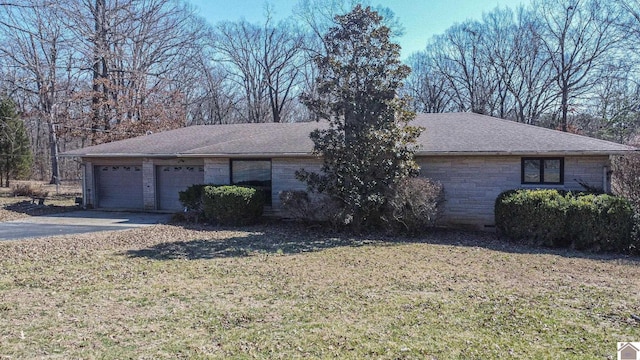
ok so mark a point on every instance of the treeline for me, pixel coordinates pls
(83, 72)
(565, 64)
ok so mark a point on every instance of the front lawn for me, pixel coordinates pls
(284, 292)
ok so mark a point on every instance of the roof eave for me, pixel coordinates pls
(308, 154)
(178, 156)
(525, 153)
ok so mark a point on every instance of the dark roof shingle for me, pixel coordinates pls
(445, 134)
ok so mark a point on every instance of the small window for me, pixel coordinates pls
(543, 171)
(255, 173)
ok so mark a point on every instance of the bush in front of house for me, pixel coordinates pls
(192, 200)
(233, 205)
(309, 207)
(535, 216)
(600, 222)
(551, 218)
(626, 183)
(413, 205)
(191, 197)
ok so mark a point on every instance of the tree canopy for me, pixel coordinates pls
(15, 153)
(368, 146)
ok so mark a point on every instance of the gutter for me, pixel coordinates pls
(180, 156)
(524, 153)
(307, 155)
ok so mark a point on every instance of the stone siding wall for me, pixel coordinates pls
(472, 183)
(283, 175)
(217, 171)
(148, 184)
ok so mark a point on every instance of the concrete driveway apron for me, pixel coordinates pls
(77, 222)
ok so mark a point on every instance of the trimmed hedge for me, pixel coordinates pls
(233, 205)
(556, 219)
(191, 197)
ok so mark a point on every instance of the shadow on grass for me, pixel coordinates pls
(494, 242)
(270, 239)
(30, 208)
(279, 238)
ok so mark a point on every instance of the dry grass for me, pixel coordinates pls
(59, 199)
(66, 189)
(285, 292)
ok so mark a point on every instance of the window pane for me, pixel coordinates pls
(552, 171)
(531, 171)
(257, 173)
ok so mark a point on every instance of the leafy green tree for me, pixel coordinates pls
(368, 146)
(15, 153)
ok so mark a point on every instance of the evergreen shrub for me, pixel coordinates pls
(557, 219)
(233, 205)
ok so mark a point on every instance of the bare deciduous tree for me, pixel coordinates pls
(35, 44)
(427, 86)
(266, 62)
(461, 57)
(577, 35)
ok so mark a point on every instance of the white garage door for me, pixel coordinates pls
(119, 186)
(171, 179)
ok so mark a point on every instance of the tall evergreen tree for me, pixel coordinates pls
(368, 146)
(15, 153)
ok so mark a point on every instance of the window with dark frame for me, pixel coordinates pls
(544, 171)
(256, 173)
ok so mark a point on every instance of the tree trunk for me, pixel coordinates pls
(53, 143)
(98, 97)
(565, 106)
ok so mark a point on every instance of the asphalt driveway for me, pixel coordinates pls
(77, 222)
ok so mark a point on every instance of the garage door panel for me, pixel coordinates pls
(119, 186)
(171, 179)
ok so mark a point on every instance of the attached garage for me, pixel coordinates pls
(171, 179)
(119, 186)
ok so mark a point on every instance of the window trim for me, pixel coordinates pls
(269, 199)
(542, 160)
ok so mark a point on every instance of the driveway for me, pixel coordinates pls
(77, 222)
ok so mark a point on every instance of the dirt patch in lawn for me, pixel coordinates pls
(277, 291)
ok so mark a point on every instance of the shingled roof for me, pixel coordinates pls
(445, 134)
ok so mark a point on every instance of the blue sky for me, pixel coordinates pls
(421, 18)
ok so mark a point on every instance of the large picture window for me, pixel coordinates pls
(543, 171)
(256, 173)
